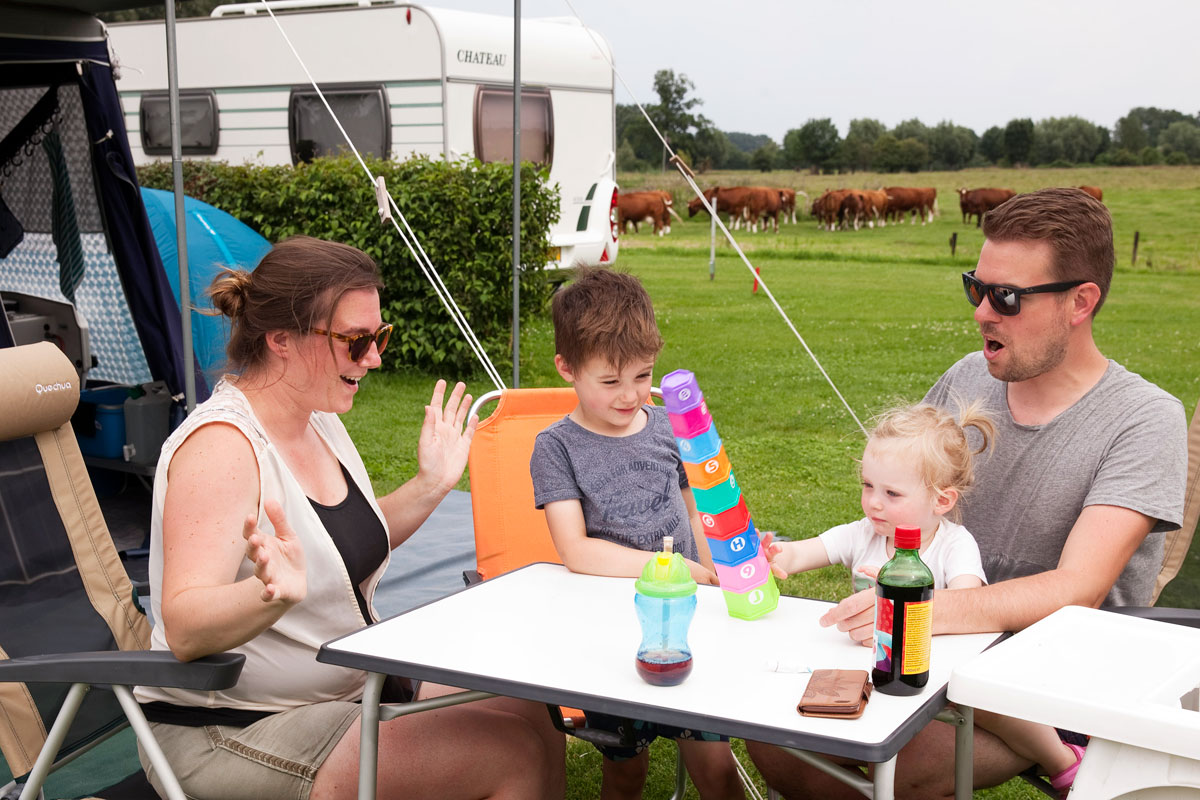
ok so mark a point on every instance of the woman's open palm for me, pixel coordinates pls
(278, 560)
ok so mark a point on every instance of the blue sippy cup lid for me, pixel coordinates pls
(666, 574)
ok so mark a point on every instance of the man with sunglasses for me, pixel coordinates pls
(1086, 477)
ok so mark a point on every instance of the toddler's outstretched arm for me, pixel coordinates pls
(788, 558)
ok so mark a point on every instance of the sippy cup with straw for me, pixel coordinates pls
(665, 602)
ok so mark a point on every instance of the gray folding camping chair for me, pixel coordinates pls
(69, 621)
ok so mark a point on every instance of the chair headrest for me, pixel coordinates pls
(39, 389)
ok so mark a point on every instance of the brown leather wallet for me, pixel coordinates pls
(836, 694)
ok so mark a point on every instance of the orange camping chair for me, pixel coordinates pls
(509, 531)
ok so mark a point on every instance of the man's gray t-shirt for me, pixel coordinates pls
(629, 486)
(1124, 443)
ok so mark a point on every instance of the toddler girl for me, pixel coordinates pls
(916, 467)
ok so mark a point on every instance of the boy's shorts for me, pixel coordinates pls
(643, 734)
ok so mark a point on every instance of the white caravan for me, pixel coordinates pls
(403, 79)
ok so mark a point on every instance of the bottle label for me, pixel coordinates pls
(918, 630)
(883, 634)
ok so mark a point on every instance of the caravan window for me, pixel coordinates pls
(197, 118)
(494, 125)
(362, 110)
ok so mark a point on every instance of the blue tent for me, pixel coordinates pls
(214, 240)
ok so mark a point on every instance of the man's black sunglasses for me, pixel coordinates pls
(1007, 299)
(361, 343)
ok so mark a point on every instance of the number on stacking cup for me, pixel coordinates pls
(685, 395)
(747, 571)
(685, 445)
(707, 520)
(712, 465)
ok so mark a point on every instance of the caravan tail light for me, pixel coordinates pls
(612, 215)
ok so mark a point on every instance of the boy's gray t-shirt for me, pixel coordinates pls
(629, 486)
(1124, 443)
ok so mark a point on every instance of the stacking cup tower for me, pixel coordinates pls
(742, 568)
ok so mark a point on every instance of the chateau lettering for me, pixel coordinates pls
(481, 57)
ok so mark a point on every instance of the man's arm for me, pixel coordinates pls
(1097, 549)
(1099, 546)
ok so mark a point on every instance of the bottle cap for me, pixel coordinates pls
(908, 538)
(666, 575)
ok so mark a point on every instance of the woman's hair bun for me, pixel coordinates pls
(229, 290)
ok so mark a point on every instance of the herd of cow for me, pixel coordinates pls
(837, 209)
(752, 205)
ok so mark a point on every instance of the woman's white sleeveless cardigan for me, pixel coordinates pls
(281, 669)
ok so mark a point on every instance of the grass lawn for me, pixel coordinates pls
(885, 313)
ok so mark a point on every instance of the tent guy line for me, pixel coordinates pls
(687, 176)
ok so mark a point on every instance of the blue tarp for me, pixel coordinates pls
(214, 240)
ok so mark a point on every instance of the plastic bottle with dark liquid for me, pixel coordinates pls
(903, 618)
(665, 602)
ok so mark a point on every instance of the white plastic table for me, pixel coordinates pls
(1130, 683)
(543, 633)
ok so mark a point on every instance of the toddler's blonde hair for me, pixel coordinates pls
(938, 443)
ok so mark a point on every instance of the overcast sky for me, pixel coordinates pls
(765, 66)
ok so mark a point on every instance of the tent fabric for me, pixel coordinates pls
(215, 240)
(65, 228)
(82, 68)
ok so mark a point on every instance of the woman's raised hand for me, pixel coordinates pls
(445, 441)
(278, 560)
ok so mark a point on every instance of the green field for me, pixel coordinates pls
(884, 312)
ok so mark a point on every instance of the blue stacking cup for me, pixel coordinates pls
(701, 447)
(736, 549)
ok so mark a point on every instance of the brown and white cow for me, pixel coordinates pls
(722, 203)
(765, 203)
(875, 203)
(787, 204)
(1094, 191)
(635, 207)
(977, 202)
(917, 201)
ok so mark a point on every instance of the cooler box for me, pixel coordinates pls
(99, 422)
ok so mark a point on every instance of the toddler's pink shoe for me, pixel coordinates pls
(1063, 780)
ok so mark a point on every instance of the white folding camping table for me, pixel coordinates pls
(1130, 683)
(543, 633)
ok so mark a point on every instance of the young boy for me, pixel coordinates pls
(612, 485)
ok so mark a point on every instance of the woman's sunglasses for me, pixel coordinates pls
(361, 343)
(1007, 299)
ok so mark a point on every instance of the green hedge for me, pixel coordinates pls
(460, 211)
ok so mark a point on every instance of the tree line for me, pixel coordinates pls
(1144, 136)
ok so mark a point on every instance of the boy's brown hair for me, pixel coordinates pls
(607, 314)
(1076, 225)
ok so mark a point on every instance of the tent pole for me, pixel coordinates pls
(185, 292)
(516, 258)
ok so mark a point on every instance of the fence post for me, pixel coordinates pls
(1136, 234)
(712, 240)
(953, 242)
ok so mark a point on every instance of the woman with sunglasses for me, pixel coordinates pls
(267, 540)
